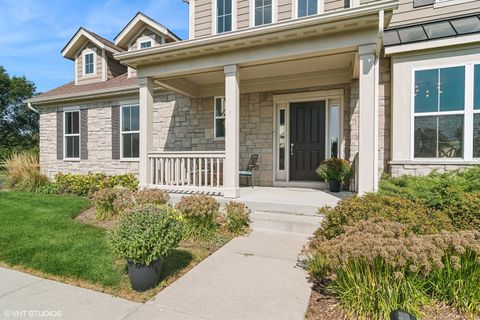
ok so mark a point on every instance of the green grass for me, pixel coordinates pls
(2, 178)
(38, 234)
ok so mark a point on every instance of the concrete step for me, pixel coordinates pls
(302, 224)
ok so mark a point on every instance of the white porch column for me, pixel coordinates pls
(146, 129)
(367, 174)
(231, 179)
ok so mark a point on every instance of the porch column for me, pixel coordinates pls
(367, 174)
(146, 129)
(232, 132)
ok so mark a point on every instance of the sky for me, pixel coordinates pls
(33, 32)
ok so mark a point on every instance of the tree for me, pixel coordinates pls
(18, 124)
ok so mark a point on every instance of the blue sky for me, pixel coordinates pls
(33, 32)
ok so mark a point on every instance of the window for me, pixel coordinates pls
(145, 44)
(440, 112)
(282, 139)
(224, 16)
(89, 63)
(263, 12)
(334, 130)
(72, 134)
(130, 133)
(476, 111)
(219, 126)
(307, 7)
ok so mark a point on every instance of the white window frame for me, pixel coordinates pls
(145, 39)
(274, 13)
(65, 134)
(320, 8)
(85, 53)
(215, 117)
(446, 3)
(214, 15)
(467, 113)
(122, 133)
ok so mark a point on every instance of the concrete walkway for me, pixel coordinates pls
(252, 277)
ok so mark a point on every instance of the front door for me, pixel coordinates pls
(307, 139)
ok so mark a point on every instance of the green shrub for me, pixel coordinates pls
(103, 200)
(88, 184)
(22, 172)
(237, 217)
(458, 282)
(49, 187)
(375, 267)
(464, 211)
(148, 234)
(417, 217)
(200, 213)
(334, 169)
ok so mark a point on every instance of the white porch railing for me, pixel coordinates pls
(197, 171)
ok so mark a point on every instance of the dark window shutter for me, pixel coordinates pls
(116, 132)
(84, 134)
(422, 3)
(59, 135)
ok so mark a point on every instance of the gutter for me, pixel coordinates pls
(29, 105)
(193, 44)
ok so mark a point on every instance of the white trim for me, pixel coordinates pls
(214, 17)
(433, 44)
(252, 13)
(145, 39)
(104, 66)
(191, 19)
(215, 117)
(122, 158)
(84, 54)
(446, 3)
(65, 135)
(467, 112)
(83, 33)
(76, 70)
(320, 8)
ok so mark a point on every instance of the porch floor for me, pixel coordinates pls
(298, 201)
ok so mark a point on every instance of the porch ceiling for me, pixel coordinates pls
(290, 74)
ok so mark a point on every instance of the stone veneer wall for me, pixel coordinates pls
(399, 169)
(99, 144)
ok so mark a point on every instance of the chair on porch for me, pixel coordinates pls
(248, 173)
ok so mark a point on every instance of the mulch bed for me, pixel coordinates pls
(325, 307)
(88, 217)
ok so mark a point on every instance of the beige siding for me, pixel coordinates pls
(243, 14)
(114, 68)
(285, 9)
(406, 14)
(203, 18)
(98, 61)
(146, 33)
(332, 5)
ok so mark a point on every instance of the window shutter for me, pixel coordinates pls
(116, 132)
(422, 3)
(84, 134)
(59, 135)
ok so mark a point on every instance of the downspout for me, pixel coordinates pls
(29, 105)
(381, 27)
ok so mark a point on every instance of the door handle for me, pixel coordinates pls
(291, 148)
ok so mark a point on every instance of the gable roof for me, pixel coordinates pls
(81, 37)
(138, 23)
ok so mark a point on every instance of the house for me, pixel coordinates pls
(391, 85)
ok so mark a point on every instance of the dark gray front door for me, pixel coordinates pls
(307, 139)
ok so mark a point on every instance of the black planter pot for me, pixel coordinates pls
(144, 277)
(335, 186)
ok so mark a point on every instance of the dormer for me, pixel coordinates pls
(142, 32)
(93, 57)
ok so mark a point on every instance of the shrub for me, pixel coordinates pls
(124, 203)
(151, 196)
(148, 234)
(88, 184)
(378, 266)
(22, 172)
(464, 211)
(237, 217)
(201, 213)
(103, 201)
(334, 169)
(418, 218)
(49, 187)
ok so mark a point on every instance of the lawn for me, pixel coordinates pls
(2, 178)
(39, 235)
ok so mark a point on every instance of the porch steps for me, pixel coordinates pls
(294, 223)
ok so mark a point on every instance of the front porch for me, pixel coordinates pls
(311, 73)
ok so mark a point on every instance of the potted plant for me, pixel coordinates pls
(334, 170)
(144, 238)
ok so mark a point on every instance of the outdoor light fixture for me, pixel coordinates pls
(401, 315)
